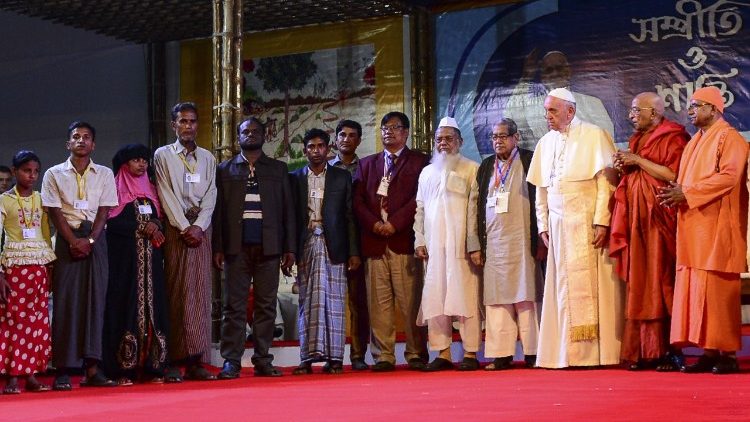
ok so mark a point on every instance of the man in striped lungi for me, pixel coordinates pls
(328, 240)
(185, 180)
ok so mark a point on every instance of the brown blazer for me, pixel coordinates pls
(402, 203)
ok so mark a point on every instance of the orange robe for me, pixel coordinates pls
(711, 243)
(643, 241)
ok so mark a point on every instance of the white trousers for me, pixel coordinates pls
(440, 332)
(504, 324)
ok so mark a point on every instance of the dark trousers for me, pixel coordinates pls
(359, 317)
(249, 266)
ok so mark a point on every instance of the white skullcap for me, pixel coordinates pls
(448, 122)
(562, 94)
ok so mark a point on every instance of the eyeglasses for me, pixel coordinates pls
(637, 110)
(693, 106)
(391, 128)
(501, 137)
(447, 139)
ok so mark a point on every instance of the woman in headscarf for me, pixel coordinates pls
(135, 321)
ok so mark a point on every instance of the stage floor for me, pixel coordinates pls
(516, 394)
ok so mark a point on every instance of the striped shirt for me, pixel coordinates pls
(252, 214)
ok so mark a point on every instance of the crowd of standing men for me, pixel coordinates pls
(640, 249)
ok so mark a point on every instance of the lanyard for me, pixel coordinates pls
(81, 181)
(185, 163)
(502, 174)
(29, 223)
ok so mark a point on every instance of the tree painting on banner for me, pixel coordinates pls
(296, 92)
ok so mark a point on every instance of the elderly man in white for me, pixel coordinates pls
(582, 313)
(446, 240)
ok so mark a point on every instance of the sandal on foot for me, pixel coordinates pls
(37, 388)
(671, 362)
(303, 369)
(62, 383)
(12, 389)
(97, 380)
(499, 364)
(173, 376)
(124, 382)
(199, 373)
(333, 367)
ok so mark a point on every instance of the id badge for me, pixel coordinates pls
(29, 233)
(81, 204)
(316, 193)
(383, 188)
(193, 177)
(501, 203)
(144, 209)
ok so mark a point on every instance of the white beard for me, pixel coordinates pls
(445, 160)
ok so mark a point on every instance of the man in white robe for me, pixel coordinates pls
(582, 314)
(509, 240)
(446, 240)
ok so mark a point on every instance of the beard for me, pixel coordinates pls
(445, 160)
(251, 147)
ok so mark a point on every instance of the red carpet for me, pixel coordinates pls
(518, 394)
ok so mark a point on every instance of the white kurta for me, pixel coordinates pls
(445, 224)
(573, 196)
(509, 270)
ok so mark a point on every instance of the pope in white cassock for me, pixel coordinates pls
(446, 240)
(582, 315)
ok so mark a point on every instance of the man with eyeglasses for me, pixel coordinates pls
(509, 240)
(255, 234)
(643, 234)
(711, 201)
(185, 181)
(448, 244)
(582, 306)
(385, 205)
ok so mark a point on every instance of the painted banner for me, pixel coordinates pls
(501, 61)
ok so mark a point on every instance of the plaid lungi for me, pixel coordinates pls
(322, 297)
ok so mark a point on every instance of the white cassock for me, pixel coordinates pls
(446, 224)
(582, 310)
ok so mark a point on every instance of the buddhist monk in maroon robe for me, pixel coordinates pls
(643, 233)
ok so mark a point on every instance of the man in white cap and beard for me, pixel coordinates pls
(446, 239)
(582, 313)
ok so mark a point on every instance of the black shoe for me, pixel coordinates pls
(97, 380)
(416, 364)
(278, 332)
(671, 362)
(499, 364)
(359, 365)
(266, 370)
(199, 373)
(468, 364)
(530, 361)
(229, 371)
(726, 365)
(439, 364)
(704, 364)
(383, 366)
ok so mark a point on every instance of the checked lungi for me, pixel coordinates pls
(322, 297)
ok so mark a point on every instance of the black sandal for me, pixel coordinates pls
(62, 383)
(97, 380)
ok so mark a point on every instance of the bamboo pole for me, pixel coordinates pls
(227, 76)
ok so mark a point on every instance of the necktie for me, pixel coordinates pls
(391, 165)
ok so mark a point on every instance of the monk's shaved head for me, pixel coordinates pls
(652, 99)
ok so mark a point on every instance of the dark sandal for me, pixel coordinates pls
(199, 373)
(303, 369)
(173, 376)
(97, 380)
(12, 389)
(62, 383)
(333, 368)
(37, 388)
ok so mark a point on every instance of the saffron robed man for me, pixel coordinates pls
(581, 323)
(384, 204)
(710, 196)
